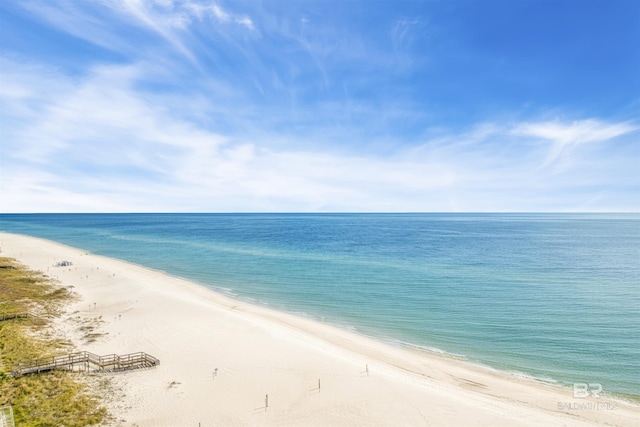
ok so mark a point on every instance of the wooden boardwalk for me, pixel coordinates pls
(9, 316)
(84, 361)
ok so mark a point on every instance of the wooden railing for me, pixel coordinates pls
(85, 361)
(8, 316)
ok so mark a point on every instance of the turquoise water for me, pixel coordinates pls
(554, 296)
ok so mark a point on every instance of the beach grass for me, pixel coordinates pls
(49, 399)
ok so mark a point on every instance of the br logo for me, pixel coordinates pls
(582, 390)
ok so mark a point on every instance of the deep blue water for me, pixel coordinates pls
(555, 296)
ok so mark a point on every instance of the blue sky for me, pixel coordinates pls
(244, 106)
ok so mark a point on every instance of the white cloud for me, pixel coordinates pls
(82, 23)
(565, 137)
(219, 13)
(169, 19)
(100, 142)
(245, 21)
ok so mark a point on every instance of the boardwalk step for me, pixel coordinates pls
(9, 316)
(87, 362)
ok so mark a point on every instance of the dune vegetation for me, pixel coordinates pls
(48, 399)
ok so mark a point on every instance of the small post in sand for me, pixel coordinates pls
(266, 402)
(318, 385)
(367, 369)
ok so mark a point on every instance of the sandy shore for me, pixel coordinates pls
(256, 351)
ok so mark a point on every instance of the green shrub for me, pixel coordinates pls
(48, 399)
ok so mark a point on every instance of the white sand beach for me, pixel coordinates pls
(220, 358)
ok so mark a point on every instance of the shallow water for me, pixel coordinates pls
(555, 296)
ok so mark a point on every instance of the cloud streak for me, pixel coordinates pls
(103, 137)
(566, 137)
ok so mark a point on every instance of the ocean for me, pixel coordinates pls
(552, 296)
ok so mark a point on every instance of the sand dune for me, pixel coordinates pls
(220, 358)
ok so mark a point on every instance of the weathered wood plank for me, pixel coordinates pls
(85, 360)
(9, 316)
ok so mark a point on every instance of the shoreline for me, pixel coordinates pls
(259, 351)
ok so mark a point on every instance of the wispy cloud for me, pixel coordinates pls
(103, 136)
(180, 13)
(565, 137)
(85, 23)
(168, 19)
(213, 106)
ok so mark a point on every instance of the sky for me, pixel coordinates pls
(319, 106)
